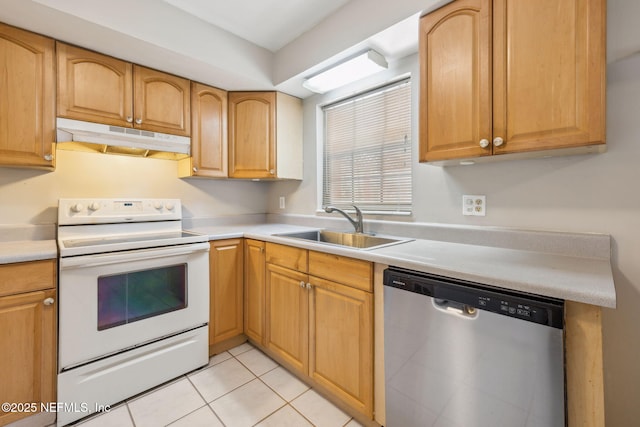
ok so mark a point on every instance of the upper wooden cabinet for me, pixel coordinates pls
(265, 135)
(209, 142)
(27, 103)
(99, 88)
(512, 76)
(161, 101)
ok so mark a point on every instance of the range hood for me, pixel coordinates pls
(95, 137)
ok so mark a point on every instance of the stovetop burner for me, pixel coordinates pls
(93, 226)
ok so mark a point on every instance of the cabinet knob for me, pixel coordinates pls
(272, 171)
(302, 283)
(138, 121)
(484, 143)
(497, 141)
(309, 286)
(48, 157)
(195, 169)
(129, 119)
(48, 301)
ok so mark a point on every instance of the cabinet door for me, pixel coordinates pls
(549, 74)
(209, 131)
(341, 342)
(252, 134)
(254, 290)
(226, 263)
(27, 100)
(28, 351)
(94, 87)
(455, 81)
(287, 332)
(162, 102)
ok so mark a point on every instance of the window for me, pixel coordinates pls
(367, 150)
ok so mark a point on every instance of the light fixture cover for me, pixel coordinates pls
(351, 70)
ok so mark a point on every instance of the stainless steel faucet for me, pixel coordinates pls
(358, 224)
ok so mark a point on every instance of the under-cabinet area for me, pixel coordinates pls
(321, 316)
(317, 310)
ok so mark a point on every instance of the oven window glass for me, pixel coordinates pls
(129, 297)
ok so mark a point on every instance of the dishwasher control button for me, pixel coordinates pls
(504, 308)
(482, 303)
(512, 310)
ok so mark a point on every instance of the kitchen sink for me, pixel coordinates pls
(352, 240)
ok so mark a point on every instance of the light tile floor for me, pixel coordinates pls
(240, 387)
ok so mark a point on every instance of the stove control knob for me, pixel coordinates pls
(94, 206)
(78, 207)
(157, 205)
(170, 206)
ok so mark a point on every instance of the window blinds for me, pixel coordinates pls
(367, 150)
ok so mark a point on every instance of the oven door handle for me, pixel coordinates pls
(87, 261)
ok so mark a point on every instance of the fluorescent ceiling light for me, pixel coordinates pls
(351, 70)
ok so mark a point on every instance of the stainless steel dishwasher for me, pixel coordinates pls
(463, 354)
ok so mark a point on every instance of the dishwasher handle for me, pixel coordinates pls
(458, 309)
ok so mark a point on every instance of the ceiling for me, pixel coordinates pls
(271, 24)
(235, 45)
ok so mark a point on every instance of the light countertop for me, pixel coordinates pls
(582, 279)
(27, 250)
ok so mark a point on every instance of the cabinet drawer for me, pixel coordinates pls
(348, 271)
(287, 256)
(16, 278)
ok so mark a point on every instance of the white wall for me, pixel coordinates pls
(31, 197)
(588, 193)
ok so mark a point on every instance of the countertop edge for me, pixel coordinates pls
(27, 250)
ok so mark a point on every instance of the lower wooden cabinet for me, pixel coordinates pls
(341, 342)
(254, 289)
(28, 337)
(226, 262)
(320, 327)
(288, 316)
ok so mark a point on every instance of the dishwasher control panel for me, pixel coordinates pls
(532, 308)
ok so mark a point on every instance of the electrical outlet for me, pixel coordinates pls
(281, 202)
(474, 205)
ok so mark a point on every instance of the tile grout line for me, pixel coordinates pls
(207, 404)
(287, 402)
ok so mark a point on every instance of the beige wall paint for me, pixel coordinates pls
(31, 197)
(588, 193)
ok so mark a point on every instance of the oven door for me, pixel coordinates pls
(116, 301)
